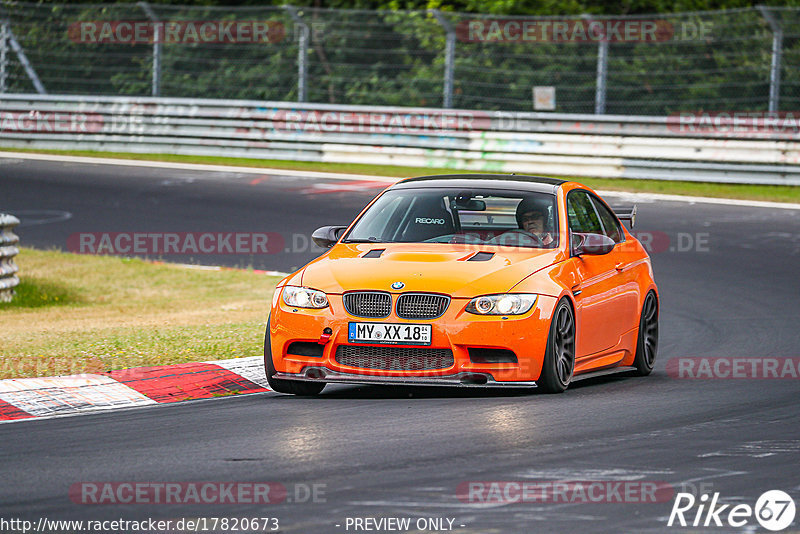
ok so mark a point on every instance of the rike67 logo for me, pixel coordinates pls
(774, 510)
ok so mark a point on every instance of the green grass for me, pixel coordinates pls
(86, 314)
(39, 294)
(102, 349)
(775, 193)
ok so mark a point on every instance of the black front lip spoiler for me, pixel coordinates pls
(464, 379)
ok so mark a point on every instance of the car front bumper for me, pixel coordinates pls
(456, 330)
(323, 374)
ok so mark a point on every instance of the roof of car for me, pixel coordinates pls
(539, 184)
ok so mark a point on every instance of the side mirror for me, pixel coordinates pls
(327, 236)
(592, 244)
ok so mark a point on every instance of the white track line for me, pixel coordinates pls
(192, 166)
(651, 197)
(645, 197)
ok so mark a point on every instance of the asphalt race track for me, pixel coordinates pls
(728, 278)
(59, 200)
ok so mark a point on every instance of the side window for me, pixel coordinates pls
(581, 213)
(610, 223)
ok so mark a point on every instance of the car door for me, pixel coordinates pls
(596, 286)
(626, 258)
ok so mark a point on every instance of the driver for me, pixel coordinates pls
(533, 217)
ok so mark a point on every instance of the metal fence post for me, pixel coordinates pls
(302, 52)
(449, 57)
(157, 38)
(23, 59)
(3, 56)
(602, 74)
(775, 66)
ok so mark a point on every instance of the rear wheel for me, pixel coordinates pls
(559, 359)
(294, 387)
(647, 342)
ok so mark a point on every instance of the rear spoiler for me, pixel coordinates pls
(627, 214)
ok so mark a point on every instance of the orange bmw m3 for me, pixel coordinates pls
(472, 281)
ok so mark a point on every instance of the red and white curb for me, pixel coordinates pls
(26, 398)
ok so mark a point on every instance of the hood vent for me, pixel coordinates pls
(482, 256)
(374, 253)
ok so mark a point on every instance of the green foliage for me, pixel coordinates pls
(497, 7)
(397, 58)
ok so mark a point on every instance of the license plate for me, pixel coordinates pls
(394, 334)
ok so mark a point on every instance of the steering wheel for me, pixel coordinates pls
(524, 233)
(447, 238)
(465, 239)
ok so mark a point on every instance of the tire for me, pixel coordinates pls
(559, 358)
(647, 341)
(293, 387)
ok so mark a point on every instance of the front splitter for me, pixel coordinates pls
(323, 374)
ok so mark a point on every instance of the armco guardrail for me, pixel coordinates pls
(543, 143)
(8, 250)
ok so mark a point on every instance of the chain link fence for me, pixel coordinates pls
(733, 60)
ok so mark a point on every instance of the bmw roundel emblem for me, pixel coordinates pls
(398, 285)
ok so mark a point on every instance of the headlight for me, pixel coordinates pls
(506, 304)
(304, 297)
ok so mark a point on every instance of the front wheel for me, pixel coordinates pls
(559, 359)
(294, 387)
(647, 342)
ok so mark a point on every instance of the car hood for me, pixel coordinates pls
(436, 268)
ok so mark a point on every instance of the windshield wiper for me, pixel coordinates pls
(368, 240)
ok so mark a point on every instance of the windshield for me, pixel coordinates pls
(474, 216)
